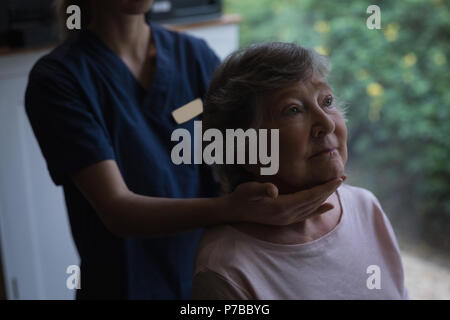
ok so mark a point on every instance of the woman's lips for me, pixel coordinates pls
(325, 152)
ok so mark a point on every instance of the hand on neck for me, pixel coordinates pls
(301, 232)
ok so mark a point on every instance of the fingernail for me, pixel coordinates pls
(272, 191)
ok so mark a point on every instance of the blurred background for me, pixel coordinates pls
(394, 80)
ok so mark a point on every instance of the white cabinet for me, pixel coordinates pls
(36, 241)
(35, 238)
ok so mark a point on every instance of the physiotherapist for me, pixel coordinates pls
(100, 105)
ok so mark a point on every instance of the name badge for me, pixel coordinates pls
(188, 111)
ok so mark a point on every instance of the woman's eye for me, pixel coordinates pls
(293, 110)
(328, 101)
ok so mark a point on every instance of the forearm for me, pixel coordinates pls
(125, 213)
(137, 215)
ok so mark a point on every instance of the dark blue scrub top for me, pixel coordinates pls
(86, 106)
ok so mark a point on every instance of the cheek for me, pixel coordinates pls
(341, 134)
(292, 146)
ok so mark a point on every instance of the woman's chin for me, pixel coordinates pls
(314, 177)
(328, 171)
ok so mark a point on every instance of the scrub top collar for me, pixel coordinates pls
(162, 60)
(161, 78)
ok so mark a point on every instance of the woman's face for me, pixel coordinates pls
(308, 123)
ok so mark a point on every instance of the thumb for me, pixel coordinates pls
(263, 190)
(257, 190)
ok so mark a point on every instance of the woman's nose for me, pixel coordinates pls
(323, 123)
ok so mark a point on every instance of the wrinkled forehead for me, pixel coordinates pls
(301, 88)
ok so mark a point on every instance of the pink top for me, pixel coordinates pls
(358, 259)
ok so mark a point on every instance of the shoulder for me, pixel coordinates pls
(180, 38)
(189, 46)
(58, 78)
(221, 249)
(62, 62)
(363, 206)
(220, 265)
(215, 239)
(359, 198)
(209, 285)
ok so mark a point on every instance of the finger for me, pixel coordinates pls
(320, 204)
(258, 191)
(272, 190)
(314, 204)
(315, 212)
(328, 187)
(322, 209)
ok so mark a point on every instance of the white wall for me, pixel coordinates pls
(36, 243)
(222, 39)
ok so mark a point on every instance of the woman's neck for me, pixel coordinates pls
(301, 232)
(127, 35)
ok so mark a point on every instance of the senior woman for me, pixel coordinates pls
(349, 252)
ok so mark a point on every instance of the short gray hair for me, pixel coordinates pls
(240, 84)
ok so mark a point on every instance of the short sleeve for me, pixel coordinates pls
(209, 285)
(69, 133)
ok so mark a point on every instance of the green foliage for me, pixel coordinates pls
(395, 81)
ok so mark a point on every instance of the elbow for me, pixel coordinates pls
(113, 216)
(112, 222)
(116, 228)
